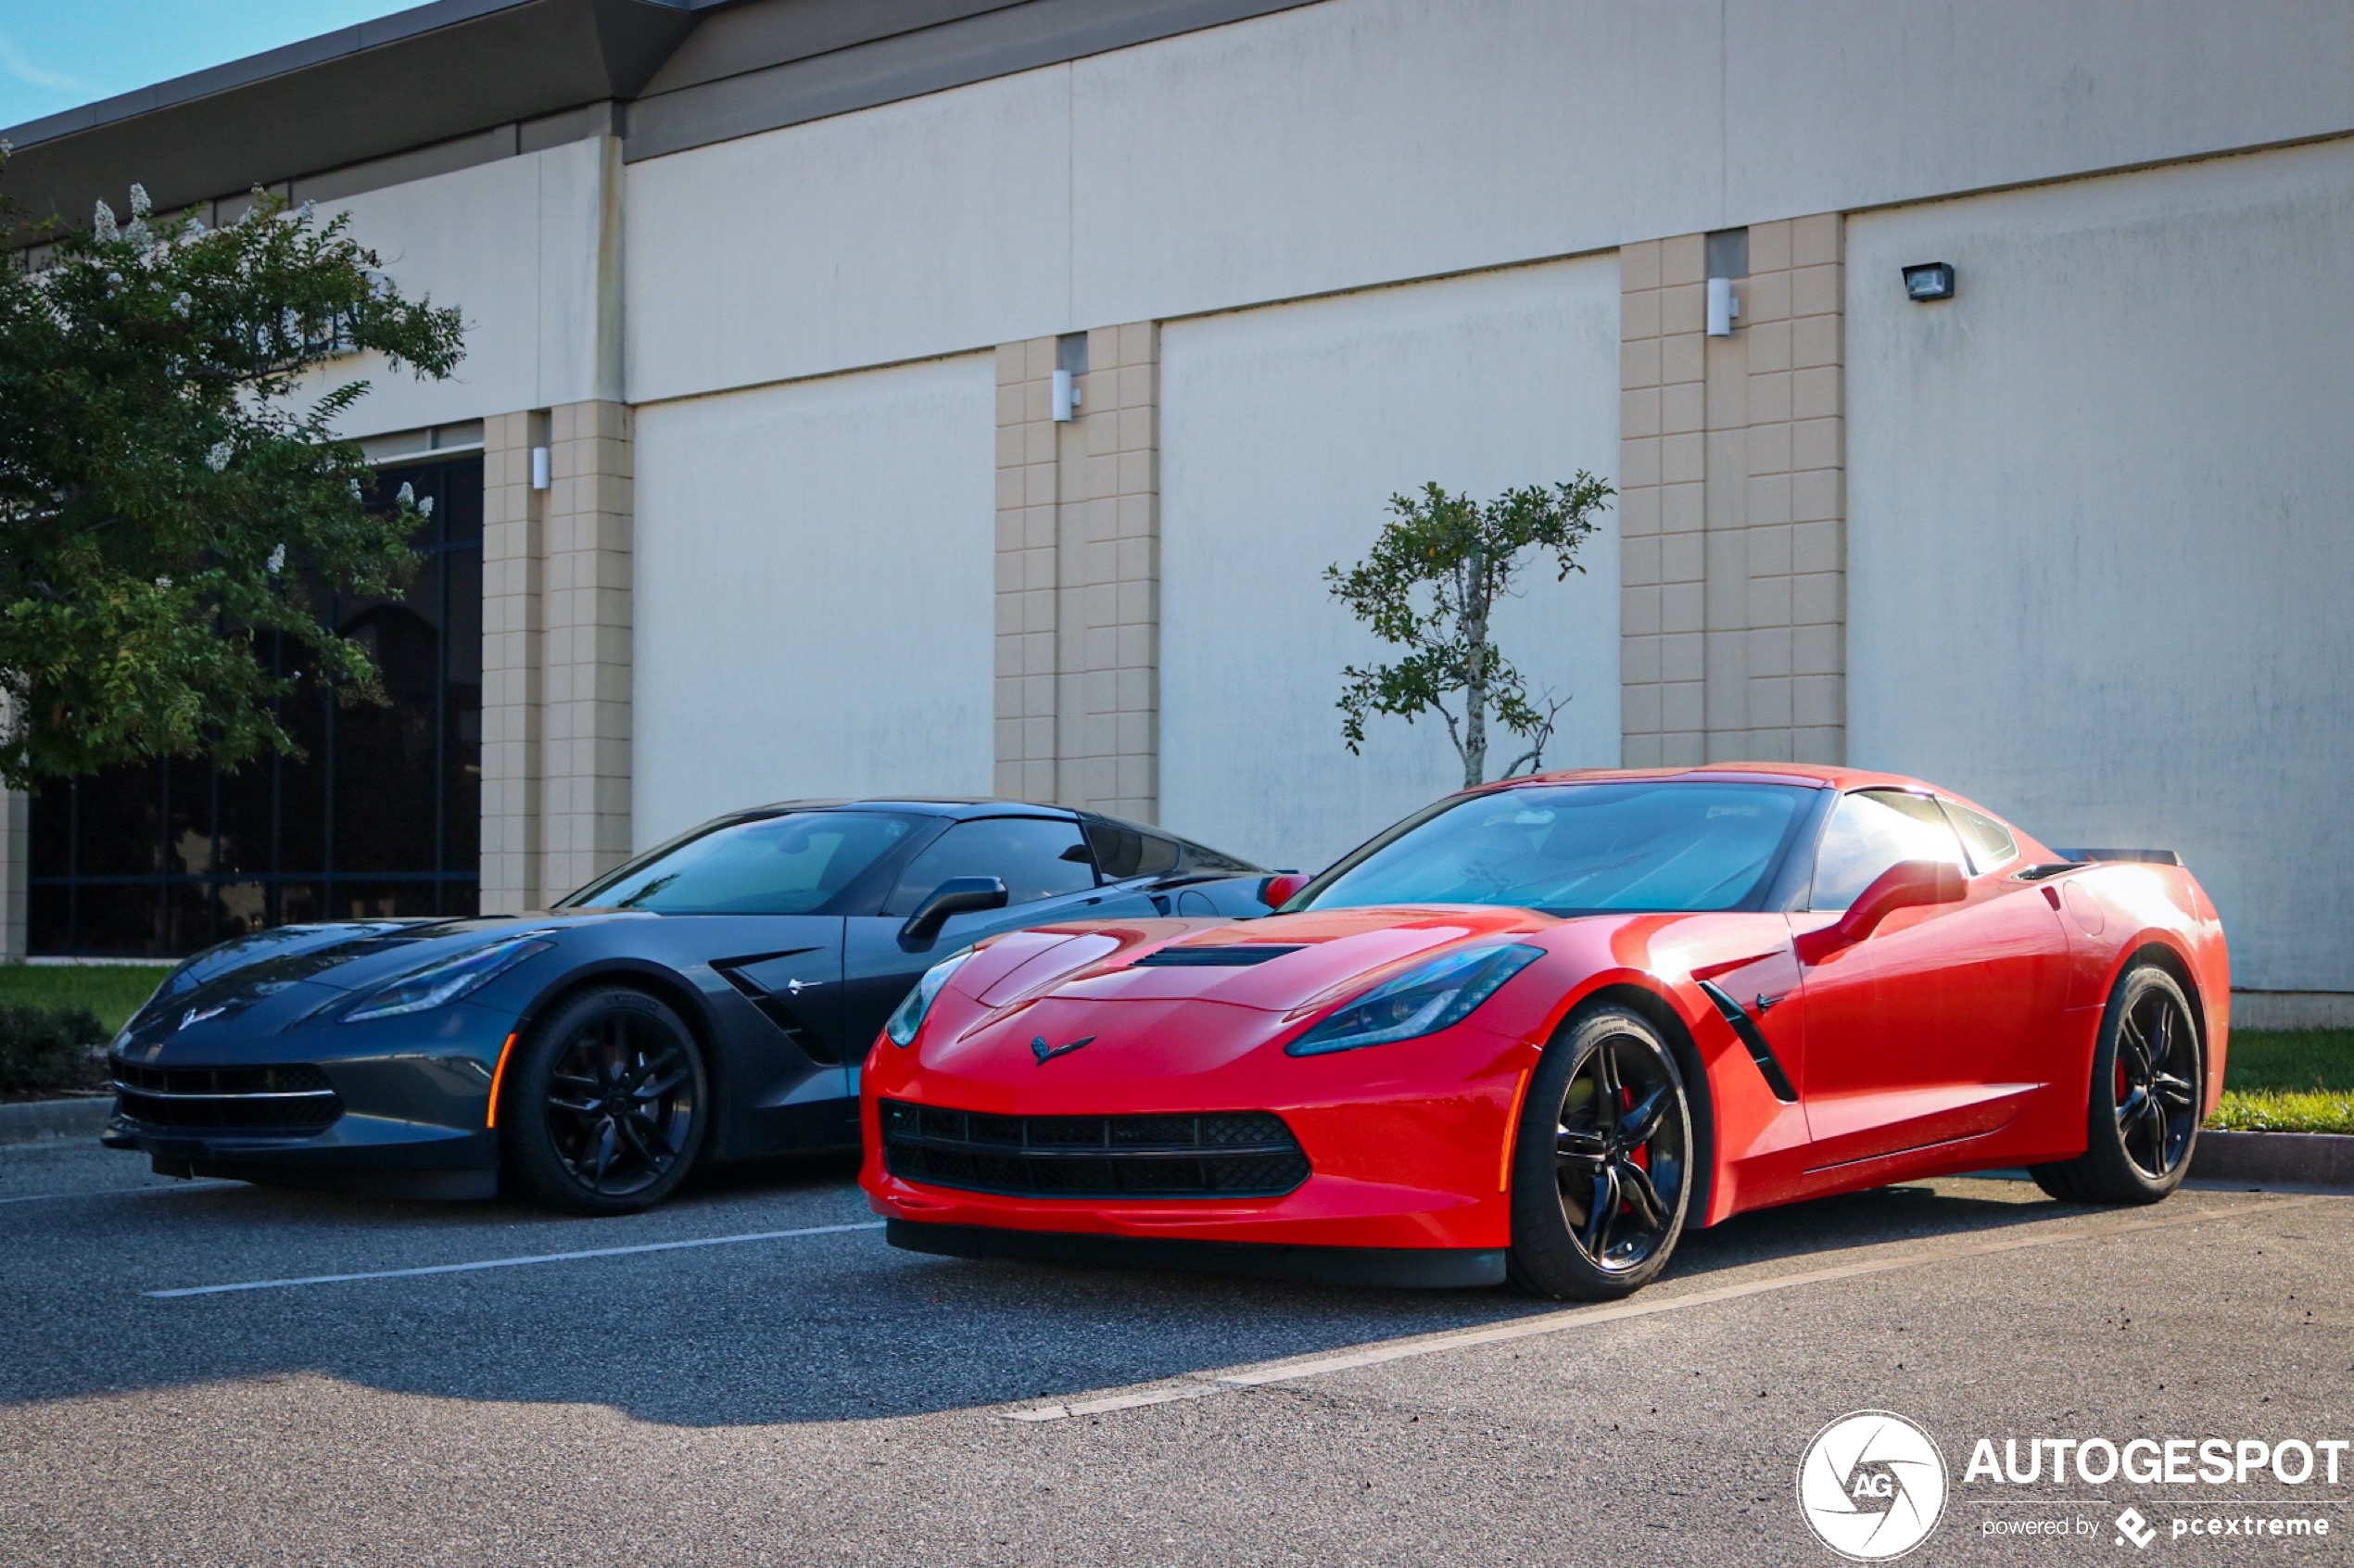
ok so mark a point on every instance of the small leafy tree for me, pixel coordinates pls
(1430, 586)
(171, 490)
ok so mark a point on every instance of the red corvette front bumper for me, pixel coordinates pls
(1405, 1150)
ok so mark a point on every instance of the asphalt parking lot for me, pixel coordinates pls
(809, 1395)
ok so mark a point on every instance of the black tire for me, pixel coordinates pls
(605, 1104)
(1601, 1161)
(2148, 1086)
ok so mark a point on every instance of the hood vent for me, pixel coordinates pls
(1241, 957)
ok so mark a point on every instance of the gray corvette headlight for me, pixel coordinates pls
(445, 981)
(1424, 1000)
(908, 1016)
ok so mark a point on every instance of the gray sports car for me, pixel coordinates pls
(710, 1000)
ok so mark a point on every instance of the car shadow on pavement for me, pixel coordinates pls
(827, 1326)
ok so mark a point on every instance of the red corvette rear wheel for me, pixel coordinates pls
(2142, 1121)
(1602, 1162)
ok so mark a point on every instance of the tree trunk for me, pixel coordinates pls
(1475, 604)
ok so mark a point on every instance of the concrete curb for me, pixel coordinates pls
(2317, 1159)
(84, 1118)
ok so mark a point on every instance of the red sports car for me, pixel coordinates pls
(1537, 1028)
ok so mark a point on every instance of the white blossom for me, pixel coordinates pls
(140, 205)
(180, 303)
(102, 223)
(195, 227)
(304, 213)
(114, 277)
(408, 496)
(218, 458)
(424, 507)
(137, 233)
(355, 490)
(277, 560)
(163, 582)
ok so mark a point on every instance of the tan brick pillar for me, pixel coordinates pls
(1079, 574)
(514, 555)
(556, 653)
(1732, 463)
(586, 775)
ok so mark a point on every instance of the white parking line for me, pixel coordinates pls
(110, 1192)
(1238, 1378)
(513, 1262)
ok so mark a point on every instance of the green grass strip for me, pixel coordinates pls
(112, 990)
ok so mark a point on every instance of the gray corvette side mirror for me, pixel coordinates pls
(957, 895)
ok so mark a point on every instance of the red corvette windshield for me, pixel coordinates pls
(1579, 848)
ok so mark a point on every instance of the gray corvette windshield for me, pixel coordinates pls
(788, 864)
(1581, 847)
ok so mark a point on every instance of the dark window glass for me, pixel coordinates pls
(382, 814)
(120, 917)
(795, 863)
(1122, 851)
(1872, 830)
(1989, 843)
(118, 828)
(1580, 847)
(1038, 856)
(52, 852)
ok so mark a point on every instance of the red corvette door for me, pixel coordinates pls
(1935, 1027)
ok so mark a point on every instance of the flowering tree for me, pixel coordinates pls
(1430, 586)
(170, 487)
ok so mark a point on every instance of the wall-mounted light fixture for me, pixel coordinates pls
(539, 478)
(1722, 308)
(1925, 280)
(1071, 363)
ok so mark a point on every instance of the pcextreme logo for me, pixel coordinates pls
(1872, 1486)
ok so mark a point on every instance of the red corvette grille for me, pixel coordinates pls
(1220, 1154)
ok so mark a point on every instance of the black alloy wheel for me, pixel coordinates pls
(1602, 1175)
(2147, 1088)
(605, 1109)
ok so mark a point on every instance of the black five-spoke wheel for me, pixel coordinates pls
(1601, 1171)
(2152, 1083)
(2148, 1087)
(606, 1107)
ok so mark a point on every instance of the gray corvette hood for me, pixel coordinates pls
(326, 960)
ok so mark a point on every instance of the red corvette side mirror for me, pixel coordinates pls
(1901, 886)
(1279, 889)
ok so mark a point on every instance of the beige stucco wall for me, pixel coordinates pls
(2099, 517)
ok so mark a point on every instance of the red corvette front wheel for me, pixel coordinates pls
(1601, 1161)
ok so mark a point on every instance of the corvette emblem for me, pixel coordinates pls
(1045, 1052)
(194, 1017)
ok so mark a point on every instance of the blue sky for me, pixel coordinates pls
(57, 54)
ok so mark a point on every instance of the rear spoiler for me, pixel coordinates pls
(2143, 856)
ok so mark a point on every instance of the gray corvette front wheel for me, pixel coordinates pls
(605, 1106)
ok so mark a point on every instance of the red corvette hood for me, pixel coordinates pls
(1314, 956)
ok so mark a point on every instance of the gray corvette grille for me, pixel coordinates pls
(293, 1098)
(1220, 1154)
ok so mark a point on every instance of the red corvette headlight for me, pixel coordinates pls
(908, 1016)
(1424, 1000)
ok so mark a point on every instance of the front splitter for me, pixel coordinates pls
(1405, 1268)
